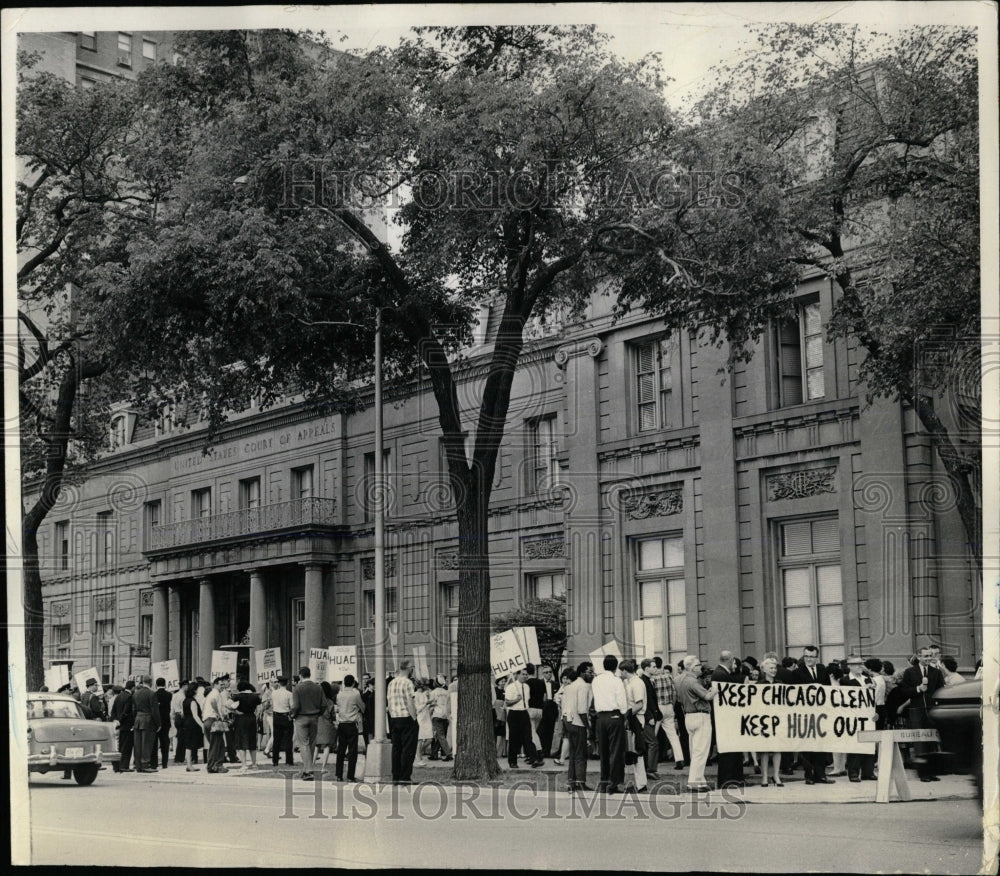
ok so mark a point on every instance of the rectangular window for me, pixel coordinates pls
(249, 494)
(302, 482)
(390, 607)
(149, 50)
(104, 634)
(654, 384)
(368, 496)
(300, 657)
(201, 503)
(544, 451)
(60, 642)
(119, 431)
(150, 518)
(660, 591)
(146, 632)
(545, 586)
(799, 356)
(449, 624)
(124, 50)
(62, 543)
(105, 539)
(812, 600)
(88, 40)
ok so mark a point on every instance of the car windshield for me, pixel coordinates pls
(53, 709)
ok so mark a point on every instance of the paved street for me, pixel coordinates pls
(236, 820)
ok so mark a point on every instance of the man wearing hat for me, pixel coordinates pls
(92, 702)
(859, 766)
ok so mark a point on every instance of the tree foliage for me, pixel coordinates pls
(548, 617)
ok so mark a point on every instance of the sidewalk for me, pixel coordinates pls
(552, 776)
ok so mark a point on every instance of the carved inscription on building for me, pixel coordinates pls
(60, 609)
(659, 504)
(368, 567)
(104, 603)
(545, 549)
(802, 484)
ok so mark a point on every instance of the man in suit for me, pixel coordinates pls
(917, 687)
(550, 712)
(859, 766)
(123, 712)
(147, 723)
(731, 763)
(163, 700)
(811, 671)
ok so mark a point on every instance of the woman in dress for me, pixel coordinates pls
(326, 727)
(245, 724)
(425, 727)
(192, 730)
(770, 761)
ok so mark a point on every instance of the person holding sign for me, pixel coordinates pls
(769, 760)
(516, 697)
(811, 671)
(696, 702)
(859, 766)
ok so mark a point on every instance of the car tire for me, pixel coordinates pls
(85, 774)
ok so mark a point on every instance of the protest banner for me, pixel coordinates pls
(527, 638)
(139, 666)
(319, 664)
(167, 670)
(83, 677)
(56, 676)
(506, 656)
(420, 661)
(343, 662)
(792, 717)
(223, 663)
(367, 649)
(267, 665)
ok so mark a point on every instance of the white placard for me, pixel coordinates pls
(56, 676)
(792, 717)
(343, 662)
(139, 666)
(267, 666)
(167, 670)
(319, 664)
(83, 677)
(597, 657)
(420, 661)
(223, 663)
(644, 635)
(527, 638)
(506, 656)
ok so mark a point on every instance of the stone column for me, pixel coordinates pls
(206, 627)
(160, 625)
(314, 608)
(258, 611)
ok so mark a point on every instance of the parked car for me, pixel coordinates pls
(957, 714)
(61, 738)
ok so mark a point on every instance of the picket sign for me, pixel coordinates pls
(890, 760)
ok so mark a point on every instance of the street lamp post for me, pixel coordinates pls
(378, 754)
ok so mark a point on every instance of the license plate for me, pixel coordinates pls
(73, 752)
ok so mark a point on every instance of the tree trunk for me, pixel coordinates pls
(33, 614)
(476, 756)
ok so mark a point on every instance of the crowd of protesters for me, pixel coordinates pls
(622, 712)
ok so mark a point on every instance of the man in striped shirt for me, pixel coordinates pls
(666, 695)
(402, 724)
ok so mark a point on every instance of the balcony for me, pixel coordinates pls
(298, 517)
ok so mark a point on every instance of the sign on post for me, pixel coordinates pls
(58, 675)
(83, 677)
(890, 761)
(267, 665)
(506, 657)
(597, 657)
(139, 666)
(167, 670)
(527, 638)
(792, 717)
(223, 663)
(343, 662)
(319, 664)
(420, 661)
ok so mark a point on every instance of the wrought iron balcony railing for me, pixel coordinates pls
(299, 514)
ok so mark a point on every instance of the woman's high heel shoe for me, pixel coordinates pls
(778, 783)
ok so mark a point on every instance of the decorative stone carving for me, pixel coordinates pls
(660, 504)
(545, 549)
(801, 484)
(60, 609)
(592, 347)
(448, 562)
(104, 603)
(146, 598)
(368, 567)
